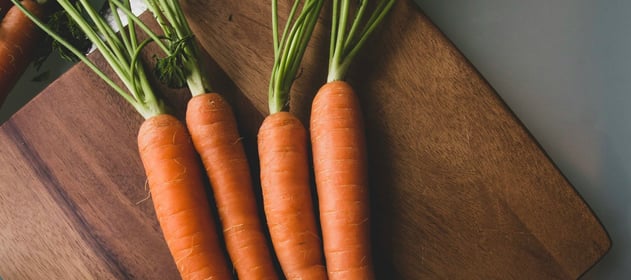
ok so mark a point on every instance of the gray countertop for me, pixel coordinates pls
(561, 66)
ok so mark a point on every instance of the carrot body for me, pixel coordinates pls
(177, 190)
(282, 144)
(339, 157)
(18, 39)
(213, 128)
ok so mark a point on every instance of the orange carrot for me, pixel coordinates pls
(339, 149)
(171, 164)
(282, 143)
(339, 159)
(214, 132)
(283, 153)
(18, 40)
(213, 128)
(178, 195)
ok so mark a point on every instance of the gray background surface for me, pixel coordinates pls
(562, 67)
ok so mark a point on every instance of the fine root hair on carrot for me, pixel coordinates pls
(146, 189)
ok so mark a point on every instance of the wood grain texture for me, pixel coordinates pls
(460, 190)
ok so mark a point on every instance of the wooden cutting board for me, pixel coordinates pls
(460, 189)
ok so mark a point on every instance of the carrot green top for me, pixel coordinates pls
(289, 50)
(346, 42)
(182, 63)
(120, 50)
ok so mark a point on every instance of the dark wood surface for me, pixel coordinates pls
(460, 190)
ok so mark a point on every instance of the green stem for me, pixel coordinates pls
(339, 30)
(142, 25)
(344, 47)
(74, 51)
(356, 22)
(155, 10)
(136, 55)
(114, 45)
(290, 49)
(140, 94)
(112, 58)
(131, 27)
(275, 30)
(119, 24)
(294, 44)
(334, 26)
(172, 21)
(182, 25)
(197, 78)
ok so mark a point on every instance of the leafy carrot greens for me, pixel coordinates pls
(120, 50)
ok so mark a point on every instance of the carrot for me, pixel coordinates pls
(339, 161)
(215, 135)
(282, 143)
(283, 156)
(166, 150)
(18, 41)
(214, 132)
(179, 198)
(339, 151)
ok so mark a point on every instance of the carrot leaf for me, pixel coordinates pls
(60, 22)
(70, 30)
(182, 62)
(171, 69)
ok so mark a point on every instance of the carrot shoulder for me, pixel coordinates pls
(180, 201)
(18, 39)
(339, 159)
(214, 131)
(282, 143)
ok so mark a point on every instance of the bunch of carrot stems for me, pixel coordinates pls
(338, 247)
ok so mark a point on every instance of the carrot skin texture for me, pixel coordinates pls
(177, 190)
(18, 39)
(214, 131)
(282, 144)
(340, 168)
